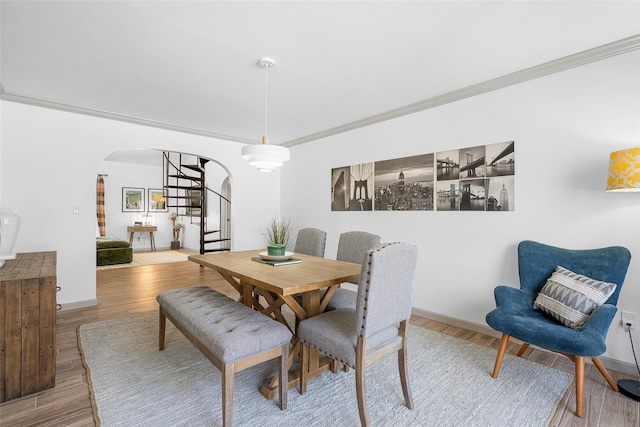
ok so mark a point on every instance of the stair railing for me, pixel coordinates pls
(179, 174)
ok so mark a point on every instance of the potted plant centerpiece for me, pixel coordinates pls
(278, 233)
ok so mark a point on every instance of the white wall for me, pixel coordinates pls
(564, 127)
(136, 176)
(49, 163)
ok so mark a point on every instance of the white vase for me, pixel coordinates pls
(9, 227)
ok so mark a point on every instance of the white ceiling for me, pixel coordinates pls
(194, 64)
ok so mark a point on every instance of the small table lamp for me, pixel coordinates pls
(624, 175)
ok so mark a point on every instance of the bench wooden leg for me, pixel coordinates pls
(227, 394)
(162, 324)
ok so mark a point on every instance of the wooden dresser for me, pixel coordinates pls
(27, 324)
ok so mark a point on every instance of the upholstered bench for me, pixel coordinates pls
(111, 250)
(231, 335)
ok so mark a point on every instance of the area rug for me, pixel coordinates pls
(135, 384)
(148, 258)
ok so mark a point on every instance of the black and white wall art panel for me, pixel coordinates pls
(475, 178)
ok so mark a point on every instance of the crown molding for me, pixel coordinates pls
(585, 57)
(572, 61)
(115, 116)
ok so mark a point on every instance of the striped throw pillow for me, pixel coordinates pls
(570, 298)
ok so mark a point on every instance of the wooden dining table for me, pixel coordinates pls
(284, 282)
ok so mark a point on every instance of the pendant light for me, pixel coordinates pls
(264, 156)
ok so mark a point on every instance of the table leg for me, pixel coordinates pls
(247, 293)
(311, 304)
(233, 282)
(153, 242)
(131, 238)
(273, 308)
(317, 364)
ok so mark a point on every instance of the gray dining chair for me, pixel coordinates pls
(375, 328)
(352, 247)
(310, 241)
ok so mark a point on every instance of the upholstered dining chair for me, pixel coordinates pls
(375, 328)
(310, 241)
(575, 293)
(352, 247)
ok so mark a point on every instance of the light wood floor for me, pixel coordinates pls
(125, 291)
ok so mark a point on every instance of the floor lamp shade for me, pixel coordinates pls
(624, 170)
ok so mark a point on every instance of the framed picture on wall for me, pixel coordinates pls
(132, 199)
(157, 200)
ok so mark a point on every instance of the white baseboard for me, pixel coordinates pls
(609, 363)
(617, 365)
(78, 304)
(475, 327)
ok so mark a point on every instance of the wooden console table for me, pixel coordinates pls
(28, 326)
(142, 229)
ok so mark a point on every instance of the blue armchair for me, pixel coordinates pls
(516, 318)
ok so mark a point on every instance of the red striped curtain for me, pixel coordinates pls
(100, 205)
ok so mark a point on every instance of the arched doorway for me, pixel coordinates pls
(146, 171)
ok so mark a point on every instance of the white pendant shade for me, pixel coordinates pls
(265, 157)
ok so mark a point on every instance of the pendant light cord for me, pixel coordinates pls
(266, 101)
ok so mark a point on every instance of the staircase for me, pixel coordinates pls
(188, 196)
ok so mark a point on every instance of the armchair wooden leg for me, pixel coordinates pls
(524, 348)
(501, 351)
(605, 373)
(361, 387)
(579, 360)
